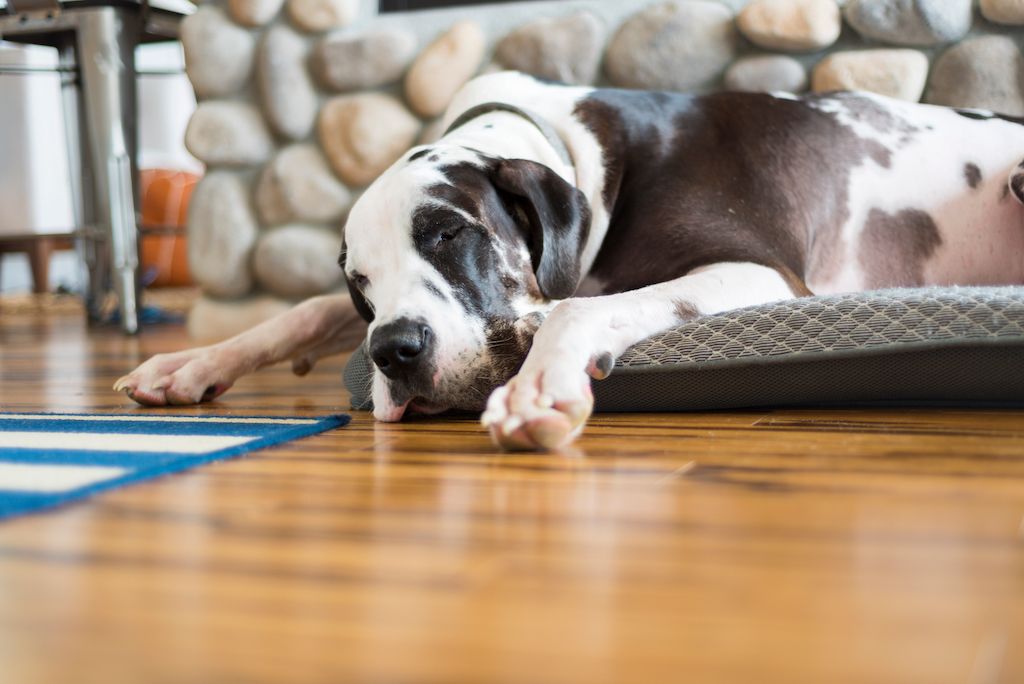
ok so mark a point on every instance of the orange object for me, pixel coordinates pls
(164, 203)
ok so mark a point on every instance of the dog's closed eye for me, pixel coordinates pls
(448, 233)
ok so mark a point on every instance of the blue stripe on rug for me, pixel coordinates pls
(162, 424)
(47, 459)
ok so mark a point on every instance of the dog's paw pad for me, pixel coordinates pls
(538, 411)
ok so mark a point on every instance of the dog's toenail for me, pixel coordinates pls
(604, 364)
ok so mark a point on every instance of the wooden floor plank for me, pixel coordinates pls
(747, 546)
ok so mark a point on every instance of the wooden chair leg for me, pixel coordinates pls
(39, 253)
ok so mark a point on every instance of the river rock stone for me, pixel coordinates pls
(898, 73)
(767, 73)
(431, 133)
(443, 67)
(221, 235)
(322, 15)
(566, 49)
(910, 22)
(672, 46)
(254, 12)
(286, 90)
(298, 261)
(984, 72)
(213, 320)
(364, 134)
(1003, 11)
(218, 54)
(297, 185)
(228, 133)
(791, 24)
(363, 61)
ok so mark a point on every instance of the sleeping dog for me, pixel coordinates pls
(504, 266)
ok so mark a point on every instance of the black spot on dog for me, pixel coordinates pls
(433, 158)
(461, 232)
(894, 248)
(416, 155)
(872, 113)
(685, 311)
(1017, 186)
(460, 191)
(976, 115)
(702, 171)
(988, 116)
(433, 289)
(362, 306)
(972, 174)
(619, 118)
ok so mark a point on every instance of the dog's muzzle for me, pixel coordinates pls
(403, 350)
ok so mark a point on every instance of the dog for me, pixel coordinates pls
(509, 263)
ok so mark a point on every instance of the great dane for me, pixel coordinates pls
(509, 263)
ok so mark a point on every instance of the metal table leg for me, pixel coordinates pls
(78, 159)
(106, 39)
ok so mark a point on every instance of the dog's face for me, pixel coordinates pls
(454, 258)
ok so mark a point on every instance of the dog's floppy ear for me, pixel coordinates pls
(363, 308)
(557, 220)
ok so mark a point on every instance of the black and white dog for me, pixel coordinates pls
(552, 227)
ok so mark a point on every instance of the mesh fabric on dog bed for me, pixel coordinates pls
(904, 346)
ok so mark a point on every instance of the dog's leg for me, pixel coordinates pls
(316, 328)
(547, 403)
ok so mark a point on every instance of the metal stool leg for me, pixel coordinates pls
(106, 40)
(89, 244)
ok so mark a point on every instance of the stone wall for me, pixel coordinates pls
(304, 102)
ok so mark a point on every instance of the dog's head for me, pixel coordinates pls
(454, 258)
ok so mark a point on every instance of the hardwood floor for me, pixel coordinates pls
(757, 546)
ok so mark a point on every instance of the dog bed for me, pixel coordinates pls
(931, 346)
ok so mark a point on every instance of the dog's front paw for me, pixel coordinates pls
(187, 377)
(543, 409)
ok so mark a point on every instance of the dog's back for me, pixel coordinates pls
(848, 191)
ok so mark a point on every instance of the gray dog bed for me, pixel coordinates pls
(936, 346)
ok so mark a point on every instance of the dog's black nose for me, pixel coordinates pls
(402, 347)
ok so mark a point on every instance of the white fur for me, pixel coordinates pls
(548, 402)
(379, 246)
(982, 233)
